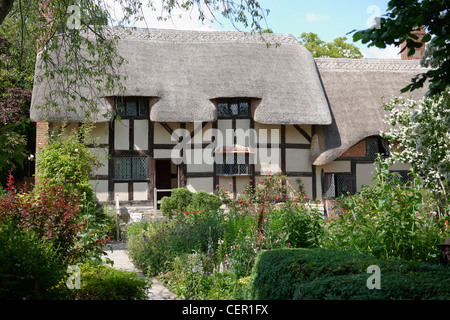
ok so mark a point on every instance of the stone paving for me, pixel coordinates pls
(119, 255)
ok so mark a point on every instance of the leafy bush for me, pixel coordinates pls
(183, 200)
(155, 244)
(203, 200)
(101, 282)
(52, 214)
(387, 220)
(66, 160)
(288, 274)
(29, 267)
(301, 223)
(55, 215)
(177, 203)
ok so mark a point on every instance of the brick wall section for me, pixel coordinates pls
(420, 32)
(41, 139)
(41, 135)
(358, 150)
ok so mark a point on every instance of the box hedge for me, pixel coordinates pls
(320, 274)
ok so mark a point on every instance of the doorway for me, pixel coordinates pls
(163, 177)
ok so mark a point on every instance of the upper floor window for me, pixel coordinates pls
(233, 108)
(374, 145)
(136, 107)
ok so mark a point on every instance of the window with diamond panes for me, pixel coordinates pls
(234, 164)
(132, 106)
(337, 184)
(130, 168)
(400, 177)
(374, 146)
(233, 108)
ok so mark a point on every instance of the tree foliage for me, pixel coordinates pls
(396, 26)
(338, 48)
(422, 131)
(74, 32)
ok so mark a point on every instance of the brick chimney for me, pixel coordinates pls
(420, 33)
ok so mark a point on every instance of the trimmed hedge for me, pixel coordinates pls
(320, 274)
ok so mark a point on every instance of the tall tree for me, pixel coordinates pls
(70, 30)
(338, 48)
(396, 26)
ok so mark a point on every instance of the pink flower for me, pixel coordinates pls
(230, 184)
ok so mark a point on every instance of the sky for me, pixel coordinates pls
(329, 19)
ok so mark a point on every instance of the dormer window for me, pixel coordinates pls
(132, 107)
(231, 108)
(374, 145)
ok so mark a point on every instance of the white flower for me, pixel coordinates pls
(76, 150)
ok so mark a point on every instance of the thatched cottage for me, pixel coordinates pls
(242, 107)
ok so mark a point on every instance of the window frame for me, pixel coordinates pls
(335, 175)
(381, 150)
(132, 178)
(230, 102)
(405, 176)
(219, 166)
(142, 103)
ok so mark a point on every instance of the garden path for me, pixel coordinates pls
(119, 255)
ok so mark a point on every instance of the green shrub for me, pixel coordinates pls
(66, 160)
(311, 274)
(387, 220)
(101, 282)
(177, 203)
(203, 200)
(76, 230)
(153, 245)
(29, 267)
(301, 224)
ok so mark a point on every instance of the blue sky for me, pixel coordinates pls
(327, 18)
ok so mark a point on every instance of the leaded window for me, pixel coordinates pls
(374, 146)
(234, 164)
(132, 106)
(337, 184)
(400, 177)
(130, 168)
(233, 108)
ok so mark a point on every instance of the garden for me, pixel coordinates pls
(271, 243)
(57, 227)
(268, 242)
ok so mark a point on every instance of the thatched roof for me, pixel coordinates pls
(187, 70)
(355, 89)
